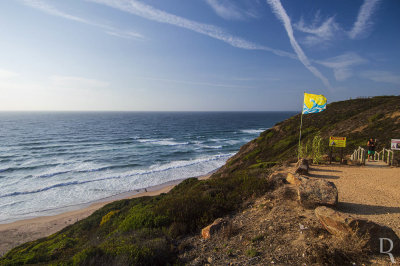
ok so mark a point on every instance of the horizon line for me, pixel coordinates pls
(146, 111)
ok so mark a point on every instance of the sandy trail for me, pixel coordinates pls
(369, 192)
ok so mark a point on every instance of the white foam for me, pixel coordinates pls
(253, 131)
(164, 142)
(55, 194)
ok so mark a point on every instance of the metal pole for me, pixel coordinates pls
(301, 125)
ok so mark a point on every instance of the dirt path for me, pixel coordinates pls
(369, 192)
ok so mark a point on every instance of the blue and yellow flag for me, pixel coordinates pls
(313, 103)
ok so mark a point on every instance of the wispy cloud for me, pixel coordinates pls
(363, 22)
(281, 15)
(151, 13)
(381, 76)
(319, 32)
(225, 9)
(342, 64)
(51, 10)
(77, 82)
(6, 74)
(228, 10)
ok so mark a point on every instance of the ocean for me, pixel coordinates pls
(51, 162)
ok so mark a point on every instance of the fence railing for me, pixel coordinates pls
(359, 155)
(385, 155)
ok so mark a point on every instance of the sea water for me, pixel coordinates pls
(53, 160)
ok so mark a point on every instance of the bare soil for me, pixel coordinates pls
(275, 229)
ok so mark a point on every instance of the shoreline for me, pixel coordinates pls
(18, 232)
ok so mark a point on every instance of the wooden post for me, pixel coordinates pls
(341, 155)
(392, 157)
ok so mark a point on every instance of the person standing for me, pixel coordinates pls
(371, 148)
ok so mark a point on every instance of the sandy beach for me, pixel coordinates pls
(19, 232)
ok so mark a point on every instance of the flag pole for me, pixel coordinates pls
(301, 125)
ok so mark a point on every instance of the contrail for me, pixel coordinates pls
(281, 15)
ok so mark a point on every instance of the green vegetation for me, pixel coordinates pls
(143, 231)
(357, 119)
(317, 148)
(252, 253)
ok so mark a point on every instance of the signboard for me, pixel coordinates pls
(395, 144)
(337, 142)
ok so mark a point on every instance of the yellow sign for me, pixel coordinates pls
(337, 141)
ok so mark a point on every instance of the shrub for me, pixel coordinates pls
(252, 253)
(107, 217)
(316, 148)
(142, 216)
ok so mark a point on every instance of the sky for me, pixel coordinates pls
(197, 55)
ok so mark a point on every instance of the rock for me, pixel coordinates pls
(343, 225)
(209, 231)
(198, 261)
(292, 179)
(295, 179)
(302, 167)
(314, 192)
(276, 180)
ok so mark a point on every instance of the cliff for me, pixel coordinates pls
(153, 230)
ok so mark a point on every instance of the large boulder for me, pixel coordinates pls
(208, 231)
(302, 167)
(370, 233)
(316, 192)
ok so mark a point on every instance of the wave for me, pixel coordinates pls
(181, 164)
(253, 131)
(87, 170)
(11, 204)
(22, 168)
(17, 193)
(153, 169)
(163, 142)
(51, 174)
(211, 147)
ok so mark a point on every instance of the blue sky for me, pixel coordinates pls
(199, 55)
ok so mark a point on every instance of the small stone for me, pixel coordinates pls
(292, 179)
(210, 230)
(295, 179)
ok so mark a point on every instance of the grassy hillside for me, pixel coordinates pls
(358, 120)
(144, 231)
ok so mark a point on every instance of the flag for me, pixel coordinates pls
(313, 103)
